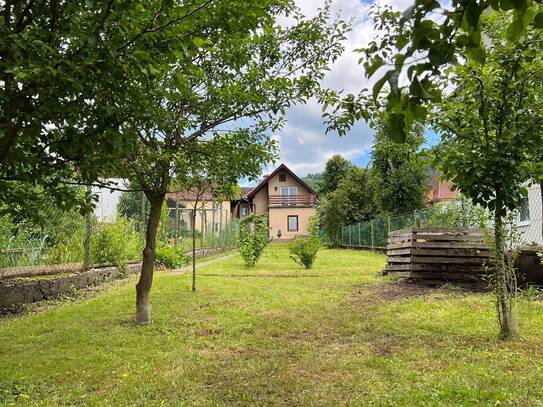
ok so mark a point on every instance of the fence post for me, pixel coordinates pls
(213, 226)
(359, 244)
(350, 237)
(143, 218)
(372, 243)
(203, 219)
(388, 225)
(221, 243)
(176, 221)
(88, 233)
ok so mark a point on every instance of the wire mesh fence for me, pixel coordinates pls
(57, 241)
(374, 233)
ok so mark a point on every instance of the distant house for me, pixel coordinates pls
(105, 208)
(440, 190)
(529, 217)
(287, 199)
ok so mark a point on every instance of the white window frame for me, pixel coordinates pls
(288, 190)
(297, 223)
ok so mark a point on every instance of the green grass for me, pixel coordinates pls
(274, 335)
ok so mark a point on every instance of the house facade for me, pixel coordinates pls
(287, 200)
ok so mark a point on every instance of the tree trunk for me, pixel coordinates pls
(143, 288)
(194, 249)
(541, 214)
(504, 295)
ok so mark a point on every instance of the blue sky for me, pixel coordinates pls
(304, 145)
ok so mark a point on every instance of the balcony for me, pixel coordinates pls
(288, 201)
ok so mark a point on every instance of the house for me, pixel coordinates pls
(288, 201)
(107, 199)
(210, 211)
(529, 220)
(440, 190)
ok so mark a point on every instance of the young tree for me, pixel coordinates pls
(334, 172)
(244, 65)
(489, 136)
(400, 173)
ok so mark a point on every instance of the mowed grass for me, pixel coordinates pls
(274, 335)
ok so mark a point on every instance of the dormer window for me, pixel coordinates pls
(282, 177)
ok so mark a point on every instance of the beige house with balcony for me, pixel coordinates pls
(288, 201)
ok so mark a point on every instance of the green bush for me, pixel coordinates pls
(303, 250)
(253, 238)
(170, 257)
(115, 243)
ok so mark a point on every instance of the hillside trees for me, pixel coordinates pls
(335, 171)
(242, 65)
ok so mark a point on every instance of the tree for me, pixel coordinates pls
(313, 180)
(71, 74)
(334, 172)
(227, 89)
(489, 136)
(417, 45)
(399, 172)
(352, 201)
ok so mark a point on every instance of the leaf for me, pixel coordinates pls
(379, 85)
(376, 63)
(538, 20)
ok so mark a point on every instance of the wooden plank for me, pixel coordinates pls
(447, 230)
(452, 252)
(439, 268)
(444, 237)
(399, 259)
(445, 260)
(445, 245)
(398, 252)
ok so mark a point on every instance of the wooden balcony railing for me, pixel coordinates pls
(292, 200)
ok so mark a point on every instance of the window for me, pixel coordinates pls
(282, 177)
(292, 223)
(244, 211)
(216, 227)
(289, 191)
(524, 211)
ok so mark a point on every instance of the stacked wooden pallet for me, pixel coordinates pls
(439, 255)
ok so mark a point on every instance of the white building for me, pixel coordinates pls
(108, 199)
(530, 220)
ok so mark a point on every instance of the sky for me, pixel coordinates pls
(304, 146)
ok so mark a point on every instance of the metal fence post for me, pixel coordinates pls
(88, 233)
(388, 225)
(372, 243)
(359, 234)
(350, 237)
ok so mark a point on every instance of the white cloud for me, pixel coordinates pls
(303, 143)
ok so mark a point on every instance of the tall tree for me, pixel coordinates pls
(72, 72)
(244, 65)
(352, 201)
(417, 45)
(400, 172)
(489, 136)
(334, 172)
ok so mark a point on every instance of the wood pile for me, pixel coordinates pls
(435, 256)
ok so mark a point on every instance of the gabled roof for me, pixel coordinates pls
(282, 167)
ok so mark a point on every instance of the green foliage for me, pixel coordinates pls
(253, 238)
(130, 206)
(313, 180)
(335, 171)
(353, 201)
(303, 250)
(170, 257)
(417, 44)
(400, 173)
(115, 243)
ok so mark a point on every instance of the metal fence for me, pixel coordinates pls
(460, 213)
(57, 241)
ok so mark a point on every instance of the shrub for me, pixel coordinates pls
(303, 250)
(253, 238)
(115, 243)
(170, 257)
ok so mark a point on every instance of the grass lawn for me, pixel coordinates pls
(274, 335)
